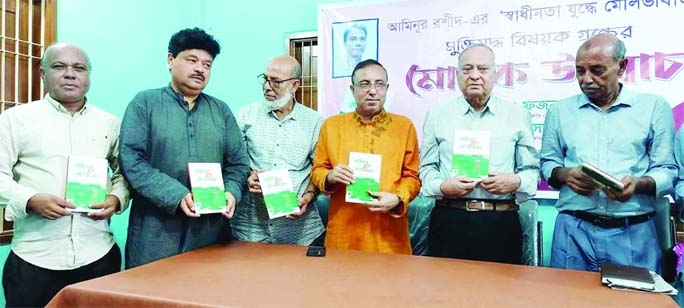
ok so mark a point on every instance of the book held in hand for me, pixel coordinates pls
(366, 168)
(602, 178)
(86, 182)
(471, 154)
(208, 190)
(279, 194)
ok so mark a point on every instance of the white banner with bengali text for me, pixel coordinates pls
(535, 44)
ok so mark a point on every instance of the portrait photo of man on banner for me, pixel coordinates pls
(353, 42)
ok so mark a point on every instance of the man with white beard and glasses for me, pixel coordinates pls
(263, 125)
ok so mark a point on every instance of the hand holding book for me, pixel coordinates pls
(231, 202)
(341, 174)
(457, 186)
(190, 208)
(253, 182)
(500, 183)
(630, 188)
(49, 206)
(382, 202)
(309, 197)
(187, 205)
(106, 209)
(601, 177)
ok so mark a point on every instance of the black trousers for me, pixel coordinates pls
(482, 236)
(27, 285)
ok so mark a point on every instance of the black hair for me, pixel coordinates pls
(194, 38)
(365, 63)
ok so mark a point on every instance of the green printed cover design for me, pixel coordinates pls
(279, 194)
(359, 189)
(206, 182)
(281, 203)
(86, 182)
(85, 195)
(209, 198)
(471, 154)
(470, 166)
(366, 168)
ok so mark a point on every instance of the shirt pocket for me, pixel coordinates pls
(93, 144)
(502, 151)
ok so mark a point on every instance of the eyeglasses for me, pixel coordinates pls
(273, 83)
(366, 86)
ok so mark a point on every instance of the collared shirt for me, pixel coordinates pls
(273, 143)
(679, 159)
(512, 147)
(36, 140)
(160, 135)
(353, 226)
(632, 138)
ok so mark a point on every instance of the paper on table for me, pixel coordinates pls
(659, 285)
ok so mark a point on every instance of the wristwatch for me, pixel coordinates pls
(312, 192)
(398, 208)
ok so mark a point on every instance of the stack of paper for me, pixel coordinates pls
(627, 277)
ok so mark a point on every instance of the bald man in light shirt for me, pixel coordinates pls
(53, 247)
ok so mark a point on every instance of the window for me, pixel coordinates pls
(28, 27)
(304, 47)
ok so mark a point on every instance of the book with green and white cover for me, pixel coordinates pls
(86, 182)
(279, 194)
(601, 177)
(366, 168)
(471, 154)
(208, 191)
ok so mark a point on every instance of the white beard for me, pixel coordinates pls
(278, 103)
